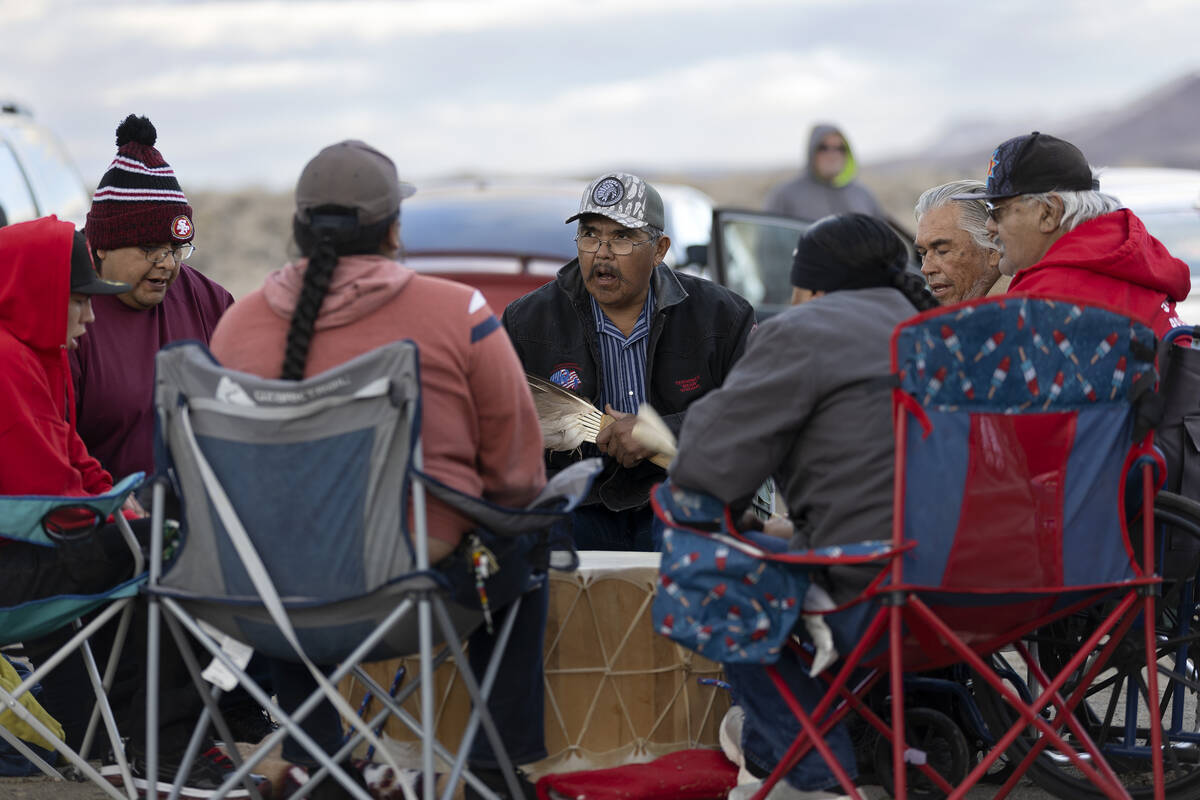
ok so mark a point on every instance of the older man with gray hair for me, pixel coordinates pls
(1059, 235)
(958, 258)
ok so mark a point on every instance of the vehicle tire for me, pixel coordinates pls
(1098, 713)
(945, 747)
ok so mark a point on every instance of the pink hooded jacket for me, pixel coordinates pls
(479, 426)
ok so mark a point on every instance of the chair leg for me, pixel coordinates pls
(289, 724)
(479, 713)
(211, 711)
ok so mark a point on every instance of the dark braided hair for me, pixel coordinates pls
(856, 251)
(330, 232)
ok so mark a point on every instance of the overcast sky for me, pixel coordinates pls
(244, 92)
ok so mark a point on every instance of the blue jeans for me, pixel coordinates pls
(597, 528)
(770, 727)
(517, 698)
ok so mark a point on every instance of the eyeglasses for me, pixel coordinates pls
(831, 148)
(996, 210)
(619, 247)
(157, 255)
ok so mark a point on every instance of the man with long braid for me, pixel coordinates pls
(480, 433)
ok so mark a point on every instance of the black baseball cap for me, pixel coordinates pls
(1032, 164)
(84, 279)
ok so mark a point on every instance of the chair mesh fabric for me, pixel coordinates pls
(323, 462)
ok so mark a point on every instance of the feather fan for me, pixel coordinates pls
(567, 420)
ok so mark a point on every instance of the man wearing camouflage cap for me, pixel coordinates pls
(620, 328)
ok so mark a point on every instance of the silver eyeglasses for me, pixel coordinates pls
(619, 247)
(157, 255)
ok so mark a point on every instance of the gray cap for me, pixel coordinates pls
(625, 199)
(355, 175)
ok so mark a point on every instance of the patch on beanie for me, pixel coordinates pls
(181, 228)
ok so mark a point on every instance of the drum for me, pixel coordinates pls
(616, 691)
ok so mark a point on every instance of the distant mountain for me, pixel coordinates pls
(1160, 129)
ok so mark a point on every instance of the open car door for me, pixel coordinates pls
(751, 253)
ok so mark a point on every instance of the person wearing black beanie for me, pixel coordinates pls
(853, 251)
(808, 404)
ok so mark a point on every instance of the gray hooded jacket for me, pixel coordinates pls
(808, 197)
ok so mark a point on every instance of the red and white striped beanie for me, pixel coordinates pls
(139, 200)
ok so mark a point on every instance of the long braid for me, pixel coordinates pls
(317, 278)
(328, 233)
(913, 288)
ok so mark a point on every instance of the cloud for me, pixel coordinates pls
(200, 83)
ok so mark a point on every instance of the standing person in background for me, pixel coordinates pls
(958, 258)
(620, 328)
(827, 183)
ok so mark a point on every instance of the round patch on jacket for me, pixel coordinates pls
(566, 378)
(608, 192)
(181, 227)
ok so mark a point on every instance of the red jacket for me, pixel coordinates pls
(1113, 260)
(40, 452)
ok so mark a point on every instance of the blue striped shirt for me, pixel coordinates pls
(623, 360)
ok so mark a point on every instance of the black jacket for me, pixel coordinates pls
(698, 330)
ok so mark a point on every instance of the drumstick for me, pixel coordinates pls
(661, 458)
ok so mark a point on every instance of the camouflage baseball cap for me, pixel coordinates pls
(1033, 164)
(625, 199)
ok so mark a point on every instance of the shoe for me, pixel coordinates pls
(729, 734)
(380, 781)
(208, 772)
(494, 780)
(247, 722)
(782, 791)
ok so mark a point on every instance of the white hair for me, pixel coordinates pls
(1078, 207)
(972, 214)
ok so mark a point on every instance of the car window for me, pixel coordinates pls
(57, 187)
(754, 256)
(14, 191)
(489, 224)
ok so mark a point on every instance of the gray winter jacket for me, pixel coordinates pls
(808, 197)
(806, 403)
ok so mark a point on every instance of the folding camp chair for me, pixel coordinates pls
(304, 538)
(27, 519)
(1010, 515)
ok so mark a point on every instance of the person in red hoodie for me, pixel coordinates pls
(47, 280)
(46, 285)
(1059, 235)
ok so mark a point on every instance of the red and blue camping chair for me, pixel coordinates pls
(1030, 450)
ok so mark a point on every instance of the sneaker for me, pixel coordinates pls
(494, 780)
(207, 774)
(380, 781)
(729, 734)
(248, 723)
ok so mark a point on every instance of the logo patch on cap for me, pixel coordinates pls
(608, 192)
(181, 227)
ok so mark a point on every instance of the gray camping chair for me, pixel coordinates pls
(332, 462)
